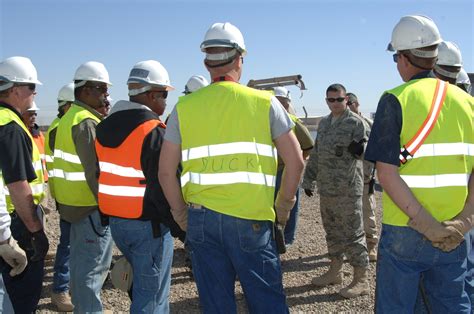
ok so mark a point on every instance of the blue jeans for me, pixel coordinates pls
(404, 255)
(290, 227)
(151, 260)
(91, 254)
(24, 289)
(61, 262)
(223, 247)
(5, 303)
(470, 266)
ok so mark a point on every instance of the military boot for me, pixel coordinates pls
(372, 248)
(332, 277)
(359, 285)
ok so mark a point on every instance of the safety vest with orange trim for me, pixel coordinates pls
(39, 141)
(122, 183)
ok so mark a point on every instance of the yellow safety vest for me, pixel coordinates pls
(439, 171)
(50, 155)
(37, 185)
(70, 185)
(228, 156)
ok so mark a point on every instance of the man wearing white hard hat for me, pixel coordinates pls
(226, 192)
(464, 82)
(306, 143)
(75, 168)
(140, 219)
(60, 295)
(194, 83)
(22, 174)
(419, 141)
(449, 62)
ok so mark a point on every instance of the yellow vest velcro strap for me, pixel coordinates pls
(228, 149)
(128, 191)
(445, 149)
(70, 176)
(67, 156)
(436, 181)
(228, 178)
(128, 172)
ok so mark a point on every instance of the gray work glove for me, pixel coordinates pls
(283, 208)
(181, 217)
(433, 230)
(14, 256)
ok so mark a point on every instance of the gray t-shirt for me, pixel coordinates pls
(280, 123)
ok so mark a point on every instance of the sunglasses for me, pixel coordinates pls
(338, 99)
(164, 93)
(395, 57)
(100, 88)
(31, 86)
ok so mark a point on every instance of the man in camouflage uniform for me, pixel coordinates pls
(368, 198)
(336, 166)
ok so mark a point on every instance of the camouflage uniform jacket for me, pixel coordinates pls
(335, 170)
(368, 165)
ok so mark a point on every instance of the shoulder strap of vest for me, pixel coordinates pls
(409, 149)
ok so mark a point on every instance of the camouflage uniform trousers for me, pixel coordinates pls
(342, 221)
(368, 208)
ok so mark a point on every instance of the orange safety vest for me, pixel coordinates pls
(39, 141)
(122, 183)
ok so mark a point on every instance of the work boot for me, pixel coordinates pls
(372, 248)
(62, 300)
(332, 277)
(359, 285)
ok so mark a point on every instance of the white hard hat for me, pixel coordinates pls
(66, 94)
(415, 31)
(449, 54)
(463, 79)
(150, 73)
(17, 70)
(281, 91)
(33, 107)
(122, 274)
(194, 83)
(223, 35)
(91, 71)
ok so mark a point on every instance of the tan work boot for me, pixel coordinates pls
(332, 277)
(372, 248)
(359, 285)
(62, 301)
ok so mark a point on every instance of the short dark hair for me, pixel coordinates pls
(335, 88)
(352, 97)
(422, 63)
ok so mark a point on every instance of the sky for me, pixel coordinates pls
(324, 41)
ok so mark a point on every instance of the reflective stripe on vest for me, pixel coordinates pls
(122, 183)
(439, 171)
(70, 185)
(49, 155)
(37, 188)
(228, 156)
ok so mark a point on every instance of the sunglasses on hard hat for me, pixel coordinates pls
(31, 86)
(338, 99)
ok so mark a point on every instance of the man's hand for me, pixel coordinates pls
(40, 244)
(434, 231)
(448, 244)
(181, 217)
(283, 208)
(308, 192)
(14, 256)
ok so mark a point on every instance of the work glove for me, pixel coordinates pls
(181, 217)
(14, 256)
(433, 230)
(463, 222)
(356, 148)
(283, 208)
(40, 244)
(308, 192)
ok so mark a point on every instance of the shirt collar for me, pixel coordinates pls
(423, 74)
(5, 105)
(88, 108)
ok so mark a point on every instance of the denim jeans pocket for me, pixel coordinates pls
(195, 231)
(403, 242)
(253, 235)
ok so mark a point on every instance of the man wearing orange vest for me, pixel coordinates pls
(128, 146)
(29, 118)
